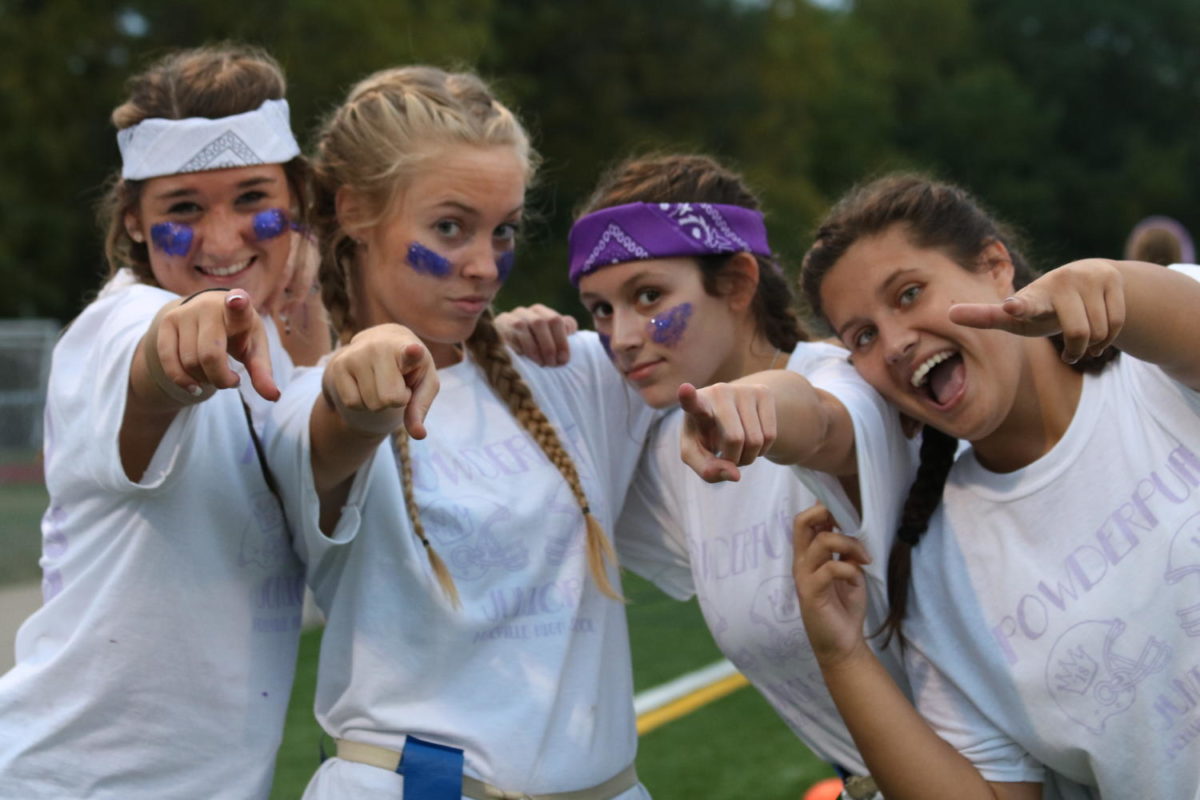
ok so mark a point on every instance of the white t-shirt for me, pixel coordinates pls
(731, 544)
(531, 677)
(161, 663)
(1054, 614)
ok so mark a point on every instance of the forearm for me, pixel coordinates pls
(150, 406)
(907, 759)
(1162, 323)
(814, 428)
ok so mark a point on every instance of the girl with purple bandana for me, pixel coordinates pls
(672, 260)
(475, 644)
(161, 662)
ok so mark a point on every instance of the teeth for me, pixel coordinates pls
(222, 272)
(921, 372)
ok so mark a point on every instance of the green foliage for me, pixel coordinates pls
(1073, 119)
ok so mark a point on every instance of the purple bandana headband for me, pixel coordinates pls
(642, 231)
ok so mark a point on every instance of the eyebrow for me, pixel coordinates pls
(188, 191)
(469, 209)
(636, 277)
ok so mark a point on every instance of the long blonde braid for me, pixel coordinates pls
(492, 357)
(373, 144)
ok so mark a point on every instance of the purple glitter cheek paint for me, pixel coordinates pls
(270, 223)
(504, 264)
(606, 343)
(668, 327)
(173, 238)
(427, 262)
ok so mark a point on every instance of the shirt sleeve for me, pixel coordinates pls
(961, 723)
(886, 458)
(289, 455)
(650, 539)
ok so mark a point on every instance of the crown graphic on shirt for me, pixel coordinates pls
(1076, 672)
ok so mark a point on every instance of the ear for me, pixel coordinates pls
(133, 227)
(739, 281)
(997, 264)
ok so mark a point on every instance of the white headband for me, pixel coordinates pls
(156, 147)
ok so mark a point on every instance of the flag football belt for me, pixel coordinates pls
(438, 770)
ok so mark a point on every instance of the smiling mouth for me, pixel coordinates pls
(226, 271)
(941, 378)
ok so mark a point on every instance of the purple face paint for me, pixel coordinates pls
(606, 343)
(504, 264)
(270, 223)
(668, 327)
(173, 238)
(427, 262)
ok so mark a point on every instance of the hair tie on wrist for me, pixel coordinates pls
(194, 295)
(158, 374)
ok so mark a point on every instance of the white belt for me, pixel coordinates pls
(384, 758)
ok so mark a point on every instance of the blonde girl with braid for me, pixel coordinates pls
(475, 628)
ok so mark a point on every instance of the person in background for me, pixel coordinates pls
(1160, 240)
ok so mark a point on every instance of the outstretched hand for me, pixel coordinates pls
(727, 425)
(830, 583)
(537, 332)
(1083, 300)
(385, 376)
(193, 339)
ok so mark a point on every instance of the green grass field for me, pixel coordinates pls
(21, 507)
(733, 749)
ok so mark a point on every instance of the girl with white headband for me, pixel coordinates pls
(474, 645)
(161, 662)
(672, 260)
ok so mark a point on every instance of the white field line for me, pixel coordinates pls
(659, 696)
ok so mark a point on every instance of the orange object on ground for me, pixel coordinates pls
(828, 789)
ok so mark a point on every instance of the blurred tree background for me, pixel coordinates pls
(1071, 118)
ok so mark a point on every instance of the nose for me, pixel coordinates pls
(481, 262)
(899, 343)
(628, 329)
(224, 233)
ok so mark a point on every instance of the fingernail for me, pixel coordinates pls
(194, 390)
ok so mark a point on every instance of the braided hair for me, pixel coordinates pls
(935, 216)
(374, 143)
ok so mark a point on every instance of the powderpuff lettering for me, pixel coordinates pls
(515, 455)
(722, 557)
(1119, 534)
(531, 601)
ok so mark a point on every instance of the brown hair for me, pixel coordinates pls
(935, 216)
(213, 81)
(700, 179)
(389, 125)
(1156, 245)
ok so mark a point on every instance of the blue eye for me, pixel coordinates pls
(448, 228)
(910, 295)
(862, 338)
